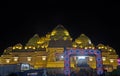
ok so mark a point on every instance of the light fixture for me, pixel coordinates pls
(29, 58)
(7, 60)
(15, 58)
(43, 57)
(104, 58)
(90, 58)
(111, 60)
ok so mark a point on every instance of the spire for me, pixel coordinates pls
(59, 27)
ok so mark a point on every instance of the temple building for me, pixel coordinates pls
(47, 51)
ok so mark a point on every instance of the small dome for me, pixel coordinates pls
(100, 45)
(33, 41)
(83, 39)
(17, 46)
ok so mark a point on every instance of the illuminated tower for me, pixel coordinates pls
(59, 39)
(83, 42)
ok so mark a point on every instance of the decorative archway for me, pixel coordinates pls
(72, 51)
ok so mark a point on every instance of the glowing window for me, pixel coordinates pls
(13, 48)
(7, 60)
(111, 60)
(90, 58)
(25, 47)
(33, 47)
(43, 57)
(104, 58)
(15, 58)
(110, 49)
(29, 58)
(85, 47)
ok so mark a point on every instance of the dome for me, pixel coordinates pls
(33, 41)
(17, 46)
(83, 39)
(60, 33)
(100, 46)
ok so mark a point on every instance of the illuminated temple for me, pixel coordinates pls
(48, 51)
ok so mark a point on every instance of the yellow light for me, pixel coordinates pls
(90, 47)
(74, 45)
(33, 47)
(81, 46)
(65, 38)
(99, 47)
(105, 47)
(90, 59)
(25, 47)
(111, 60)
(66, 33)
(93, 47)
(40, 42)
(30, 47)
(110, 50)
(102, 47)
(20, 48)
(85, 47)
(29, 58)
(42, 46)
(7, 60)
(53, 33)
(15, 58)
(43, 57)
(79, 42)
(13, 48)
(104, 58)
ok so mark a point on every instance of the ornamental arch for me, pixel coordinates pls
(71, 51)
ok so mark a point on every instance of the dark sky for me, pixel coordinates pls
(98, 20)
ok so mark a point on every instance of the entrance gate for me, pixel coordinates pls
(71, 51)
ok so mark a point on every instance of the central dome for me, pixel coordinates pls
(59, 32)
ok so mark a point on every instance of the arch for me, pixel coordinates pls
(72, 51)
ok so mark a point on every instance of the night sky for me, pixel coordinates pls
(98, 20)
